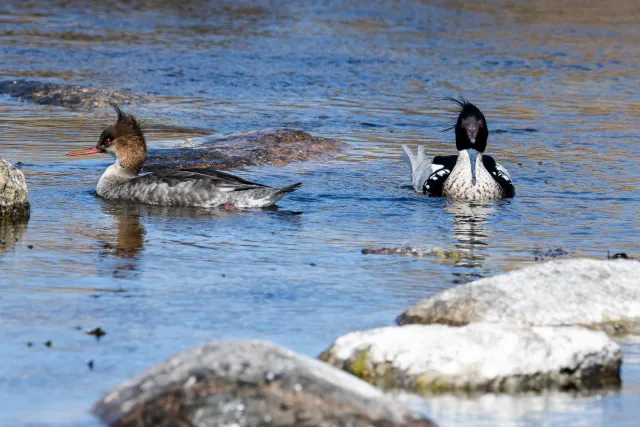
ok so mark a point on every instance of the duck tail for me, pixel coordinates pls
(278, 193)
(419, 165)
(288, 189)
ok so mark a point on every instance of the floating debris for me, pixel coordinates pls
(97, 332)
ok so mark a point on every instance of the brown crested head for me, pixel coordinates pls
(126, 140)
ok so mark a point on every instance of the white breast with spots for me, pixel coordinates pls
(459, 185)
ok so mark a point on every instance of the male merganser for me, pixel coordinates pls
(470, 175)
(185, 187)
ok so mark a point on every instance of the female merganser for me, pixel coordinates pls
(185, 187)
(468, 176)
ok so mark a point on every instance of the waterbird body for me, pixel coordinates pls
(185, 187)
(469, 175)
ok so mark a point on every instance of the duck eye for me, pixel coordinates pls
(107, 141)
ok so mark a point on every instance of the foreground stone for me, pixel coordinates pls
(600, 295)
(64, 95)
(249, 383)
(276, 147)
(14, 201)
(479, 357)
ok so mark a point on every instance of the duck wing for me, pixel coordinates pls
(500, 174)
(440, 169)
(198, 177)
(223, 178)
(186, 188)
(428, 176)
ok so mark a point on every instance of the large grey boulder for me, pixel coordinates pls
(598, 294)
(14, 201)
(249, 383)
(275, 147)
(66, 95)
(479, 357)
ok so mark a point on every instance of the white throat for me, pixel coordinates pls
(471, 160)
(113, 176)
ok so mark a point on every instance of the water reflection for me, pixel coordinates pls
(11, 231)
(578, 408)
(470, 234)
(122, 245)
(469, 223)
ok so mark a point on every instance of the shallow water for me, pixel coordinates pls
(558, 87)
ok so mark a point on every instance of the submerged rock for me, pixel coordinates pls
(266, 147)
(64, 95)
(14, 201)
(479, 357)
(249, 383)
(602, 295)
(453, 254)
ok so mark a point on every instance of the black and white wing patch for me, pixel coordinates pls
(441, 168)
(500, 175)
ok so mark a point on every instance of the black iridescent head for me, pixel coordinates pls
(471, 128)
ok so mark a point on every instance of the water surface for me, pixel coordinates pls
(558, 86)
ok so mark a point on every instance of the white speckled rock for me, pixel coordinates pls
(479, 357)
(14, 202)
(597, 294)
(250, 384)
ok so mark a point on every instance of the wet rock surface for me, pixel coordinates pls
(258, 148)
(601, 295)
(65, 95)
(14, 201)
(479, 357)
(249, 383)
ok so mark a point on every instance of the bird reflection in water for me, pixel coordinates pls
(122, 244)
(471, 235)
